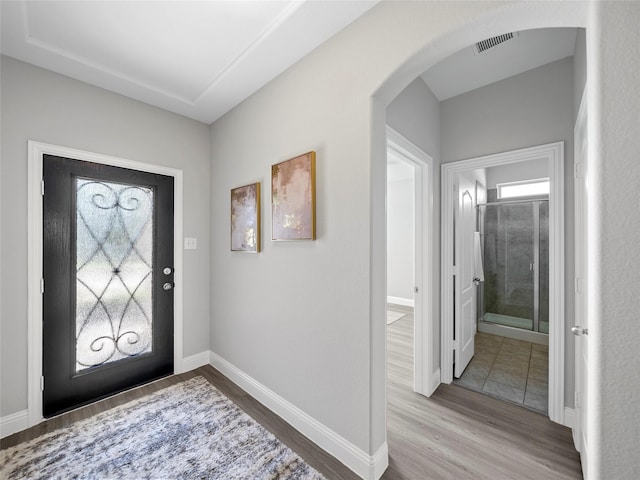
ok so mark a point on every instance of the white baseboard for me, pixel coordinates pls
(569, 420)
(380, 462)
(194, 361)
(435, 382)
(366, 466)
(406, 302)
(13, 423)
(569, 417)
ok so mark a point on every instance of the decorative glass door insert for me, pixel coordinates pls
(108, 273)
(114, 271)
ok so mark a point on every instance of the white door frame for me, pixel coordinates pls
(580, 432)
(553, 153)
(34, 238)
(466, 304)
(425, 380)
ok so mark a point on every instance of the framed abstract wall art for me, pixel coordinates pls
(245, 218)
(293, 198)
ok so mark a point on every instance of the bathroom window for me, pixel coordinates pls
(526, 188)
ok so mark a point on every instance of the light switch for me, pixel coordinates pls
(190, 243)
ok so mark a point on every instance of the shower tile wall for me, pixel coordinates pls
(508, 240)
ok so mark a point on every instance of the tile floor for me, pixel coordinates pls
(510, 370)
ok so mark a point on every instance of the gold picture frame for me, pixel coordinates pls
(293, 198)
(245, 218)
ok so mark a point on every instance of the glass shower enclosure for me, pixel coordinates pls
(514, 297)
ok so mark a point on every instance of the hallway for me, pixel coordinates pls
(461, 434)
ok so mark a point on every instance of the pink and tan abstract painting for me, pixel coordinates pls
(245, 218)
(293, 215)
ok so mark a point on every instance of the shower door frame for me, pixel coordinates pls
(553, 153)
(534, 202)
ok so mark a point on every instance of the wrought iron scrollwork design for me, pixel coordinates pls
(114, 243)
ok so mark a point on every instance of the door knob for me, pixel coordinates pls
(577, 331)
(476, 281)
(167, 286)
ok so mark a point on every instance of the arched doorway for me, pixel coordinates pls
(514, 17)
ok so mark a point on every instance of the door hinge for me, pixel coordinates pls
(455, 345)
(576, 399)
(576, 170)
(42, 383)
(42, 187)
(577, 285)
(42, 285)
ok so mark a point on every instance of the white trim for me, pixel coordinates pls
(581, 290)
(360, 462)
(423, 340)
(569, 418)
(435, 380)
(513, 332)
(553, 153)
(15, 422)
(405, 302)
(379, 462)
(195, 361)
(34, 242)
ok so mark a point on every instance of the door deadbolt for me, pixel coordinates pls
(167, 271)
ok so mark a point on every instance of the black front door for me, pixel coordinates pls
(108, 281)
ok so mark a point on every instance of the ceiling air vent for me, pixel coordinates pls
(485, 45)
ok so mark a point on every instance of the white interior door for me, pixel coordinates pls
(581, 328)
(465, 289)
(425, 381)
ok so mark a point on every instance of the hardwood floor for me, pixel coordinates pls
(455, 434)
(461, 434)
(311, 453)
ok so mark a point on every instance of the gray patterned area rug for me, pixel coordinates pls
(186, 431)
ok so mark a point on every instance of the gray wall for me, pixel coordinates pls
(517, 172)
(415, 114)
(43, 106)
(614, 131)
(579, 68)
(533, 108)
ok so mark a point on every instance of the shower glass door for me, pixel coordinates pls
(509, 265)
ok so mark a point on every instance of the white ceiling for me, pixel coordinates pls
(202, 58)
(195, 58)
(465, 70)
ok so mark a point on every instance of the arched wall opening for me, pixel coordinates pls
(514, 17)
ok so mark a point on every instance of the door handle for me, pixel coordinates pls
(167, 286)
(476, 281)
(578, 330)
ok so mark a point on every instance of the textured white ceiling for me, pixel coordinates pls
(466, 70)
(195, 58)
